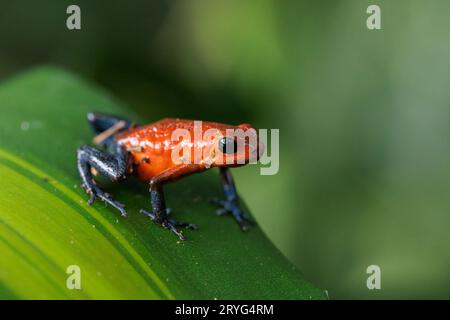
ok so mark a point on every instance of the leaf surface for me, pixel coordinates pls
(46, 226)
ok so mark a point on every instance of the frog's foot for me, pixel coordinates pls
(170, 224)
(232, 206)
(97, 193)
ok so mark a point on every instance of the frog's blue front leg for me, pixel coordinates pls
(231, 204)
(160, 214)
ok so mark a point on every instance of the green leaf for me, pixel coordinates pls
(45, 224)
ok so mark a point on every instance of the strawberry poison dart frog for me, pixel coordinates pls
(148, 151)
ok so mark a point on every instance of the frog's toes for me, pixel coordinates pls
(232, 206)
(96, 193)
(221, 211)
(186, 225)
(170, 224)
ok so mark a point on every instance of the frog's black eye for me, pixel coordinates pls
(227, 145)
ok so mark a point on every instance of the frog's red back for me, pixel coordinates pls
(151, 145)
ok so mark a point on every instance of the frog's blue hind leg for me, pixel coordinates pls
(101, 123)
(231, 204)
(111, 163)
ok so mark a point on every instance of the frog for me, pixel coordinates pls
(123, 148)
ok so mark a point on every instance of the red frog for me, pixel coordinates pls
(163, 152)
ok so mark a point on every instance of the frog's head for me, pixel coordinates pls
(237, 146)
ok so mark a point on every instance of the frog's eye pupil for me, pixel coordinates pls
(227, 145)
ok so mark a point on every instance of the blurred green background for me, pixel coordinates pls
(363, 115)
